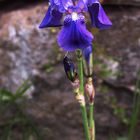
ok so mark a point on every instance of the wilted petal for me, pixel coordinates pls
(52, 18)
(74, 34)
(98, 16)
(69, 69)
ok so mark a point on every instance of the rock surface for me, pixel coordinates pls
(123, 2)
(27, 52)
(123, 42)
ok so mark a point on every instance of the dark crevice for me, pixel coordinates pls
(8, 5)
(113, 7)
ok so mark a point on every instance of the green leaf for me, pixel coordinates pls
(6, 95)
(122, 138)
(22, 89)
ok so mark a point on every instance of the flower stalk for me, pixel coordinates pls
(81, 90)
(91, 121)
(90, 91)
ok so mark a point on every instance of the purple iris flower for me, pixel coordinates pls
(74, 34)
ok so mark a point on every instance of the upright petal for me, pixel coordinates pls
(82, 5)
(74, 34)
(52, 18)
(98, 16)
(67, 3)
(62, 5)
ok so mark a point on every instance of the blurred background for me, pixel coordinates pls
(36, 99)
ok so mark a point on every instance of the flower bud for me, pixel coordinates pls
(90, 91)
(88, 61)
(69, 69)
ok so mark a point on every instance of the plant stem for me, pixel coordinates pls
(91, 121)
(91, 94)
(85, 122)
(83, 106)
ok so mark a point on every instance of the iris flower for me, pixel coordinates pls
(70, 15)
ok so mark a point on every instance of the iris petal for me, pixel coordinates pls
(55, 12)
(74, 35)
(87, 52)
(88, 61)
(81, 4)
(52, 18)
(62, 5)
(67, 3)
(98, 16)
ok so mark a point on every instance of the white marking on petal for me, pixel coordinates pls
(74, 16)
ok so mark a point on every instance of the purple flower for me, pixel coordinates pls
(74, 34)
(52, 18)
(98, 16)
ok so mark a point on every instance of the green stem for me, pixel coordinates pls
(85, 122)
(80, 68)
(83, 107)
(91, 121)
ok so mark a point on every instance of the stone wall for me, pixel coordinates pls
(28, 52)
(123, 2)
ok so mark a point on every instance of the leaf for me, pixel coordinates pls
(122, 138)
(22, 89)
(6, 95)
